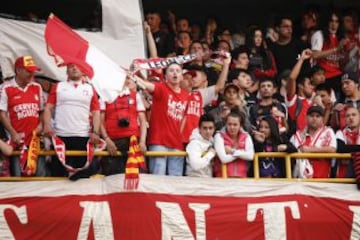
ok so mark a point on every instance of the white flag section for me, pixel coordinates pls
(108, 78)
(122, 39)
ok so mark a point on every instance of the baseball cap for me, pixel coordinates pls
(354, 76)
(231, 85)
(192, 73)
(26, 62)
(315, 109)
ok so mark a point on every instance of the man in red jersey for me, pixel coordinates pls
(21, 103)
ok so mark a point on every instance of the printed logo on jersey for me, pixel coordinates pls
(194, 108)
(25, 110)
(176, 109)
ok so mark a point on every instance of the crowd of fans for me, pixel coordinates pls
(262, 91)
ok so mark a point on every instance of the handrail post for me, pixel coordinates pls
(224, 170)
(288, 166)
(256, 166)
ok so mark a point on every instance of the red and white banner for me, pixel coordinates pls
(179, 208)
(159, 63)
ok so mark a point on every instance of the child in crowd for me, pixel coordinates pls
(267, 139)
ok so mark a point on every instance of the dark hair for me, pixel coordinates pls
(236, 113)
(183, 18)
(350, 12)
(301, 79)
(206, 118)
(181, 32)
(198, 42)
(249, 41)
(224, 41)
(325, 25)
(279, 19)
(239, 50)
(234, 73)
(324, 87)
(275, 137)
(266, 79)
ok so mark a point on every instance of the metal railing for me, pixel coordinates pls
(288, 158)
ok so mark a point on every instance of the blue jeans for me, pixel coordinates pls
(173, 166)
(41, 169)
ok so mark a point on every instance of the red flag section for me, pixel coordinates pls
(66, 46)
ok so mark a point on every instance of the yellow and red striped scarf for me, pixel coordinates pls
(134, 162)
(29, 157)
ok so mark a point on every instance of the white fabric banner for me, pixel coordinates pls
(122, 39)
(182, 208)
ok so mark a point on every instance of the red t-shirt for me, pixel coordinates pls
(23, 106)
(167, 111)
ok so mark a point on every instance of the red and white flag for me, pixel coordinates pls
(67, 47)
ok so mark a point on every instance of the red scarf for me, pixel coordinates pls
(351, 135)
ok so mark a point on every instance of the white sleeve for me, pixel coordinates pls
(139, 103)
(208, 94)
(248, 153)
(317, 41)
(3, 100)
(340, 135)
(220, 149)
(195, 158)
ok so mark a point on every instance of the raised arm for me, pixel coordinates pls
(150, 41)
(143, 84)
(223, 75)
(291, 84)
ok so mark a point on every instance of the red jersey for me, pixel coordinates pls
(197, 100)
(167, 112)
(23, 105)
(331, 64)
(292, 104)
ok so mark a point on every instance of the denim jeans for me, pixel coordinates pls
(173, 166)
(41, 168)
